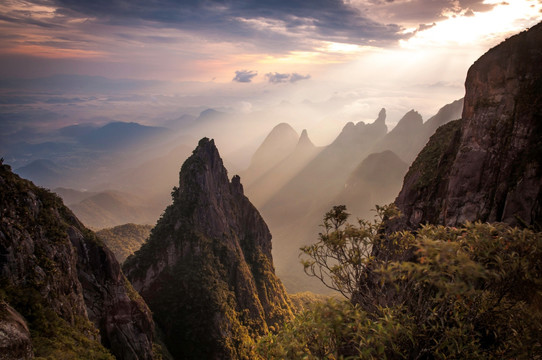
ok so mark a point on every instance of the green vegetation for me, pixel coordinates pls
(302, 301)
(437, 156)
(54, 338)
(124, 240)
(472, 292)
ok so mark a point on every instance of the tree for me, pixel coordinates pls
(473, 292)
(344, 259)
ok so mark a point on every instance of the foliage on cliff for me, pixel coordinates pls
(64, 282)
(473, 291)
(125, 239)
(206, 270)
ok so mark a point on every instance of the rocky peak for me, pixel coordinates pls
(206, 271)
(487, 166)
(381, 119)
(304, 141)
(361, 133)
(276, 147)
(411, 121)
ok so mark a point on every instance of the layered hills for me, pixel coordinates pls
(487, 166)
(206, 270)
(362, 167)
(124, 240)
(60, 286)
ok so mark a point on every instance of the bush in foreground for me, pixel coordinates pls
(469, 292)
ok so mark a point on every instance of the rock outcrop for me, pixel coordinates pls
(411, 134)
(488, 165)
(58, 276)
(15, 340)
(206, 270)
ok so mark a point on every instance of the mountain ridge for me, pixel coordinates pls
(210, 242)
(490, 167)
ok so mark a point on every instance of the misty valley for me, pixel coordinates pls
(293, 231)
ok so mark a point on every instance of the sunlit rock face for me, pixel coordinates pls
(207, 271)
(487, 166)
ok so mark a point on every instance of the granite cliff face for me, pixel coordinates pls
(486, 166)
(206, 270)
(58, 276)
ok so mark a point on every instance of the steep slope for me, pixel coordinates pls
(488, 165)
(410, 135)
(274, 179)
(445, 114)
(58, 276)
(207, 271)
(325, 175)
(404, 138)
(125, 239)
(375, 181)
(278, 145)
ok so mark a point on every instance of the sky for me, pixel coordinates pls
(358, 54)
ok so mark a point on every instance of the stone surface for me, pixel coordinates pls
(489, 169)
(15, 342)
(45, 249)
(207, 271)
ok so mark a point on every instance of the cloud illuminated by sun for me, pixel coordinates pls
(479, 28)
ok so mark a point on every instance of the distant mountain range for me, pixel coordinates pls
(364, 166)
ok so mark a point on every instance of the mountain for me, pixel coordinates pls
(445, 114)
(278, 145)
(411, 133)
(117, 135)
(125, 239)
(44, 172)
(63, 282)
(71, 196)
(267, 184)
(111, 208)
(324, 176)
(404, 137)
(206, 270)
(486, 166)
(376, 180)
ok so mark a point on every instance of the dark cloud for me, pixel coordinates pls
(294, 22)
(277, 78)
(244, 76)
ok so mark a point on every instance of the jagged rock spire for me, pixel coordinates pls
(208, 259)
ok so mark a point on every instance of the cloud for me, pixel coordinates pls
(424, 11)
(273, 24)
(295, 77)
(244, 76)
(423, 27)
(277, 78)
